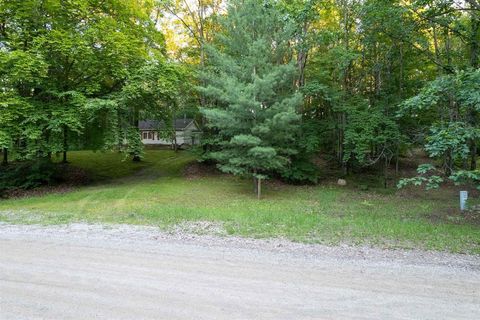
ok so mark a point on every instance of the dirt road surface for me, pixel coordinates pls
(95, 272)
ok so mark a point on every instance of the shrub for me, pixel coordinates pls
(27, 175)
(300, 171)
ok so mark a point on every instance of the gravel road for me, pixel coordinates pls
(123, 272)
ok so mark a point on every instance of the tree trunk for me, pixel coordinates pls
(136, 121)
(5, 157)
(341, 151)
(397, 155)
(400, 80)
(474, 48)
(65, 144)
(473, 155)
(49, 152)
(474, 45)
(448, 47)
(202, 39)
(346, 84)
(448, 163)
(437, 49)
(385, 173)
(301, 63)
(377, 75)
(302, 58)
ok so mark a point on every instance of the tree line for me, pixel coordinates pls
(360, 82)
(274, 83)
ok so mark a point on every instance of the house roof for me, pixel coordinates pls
(179, 124)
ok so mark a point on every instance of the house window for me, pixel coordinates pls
(144, 135)
(150, 135)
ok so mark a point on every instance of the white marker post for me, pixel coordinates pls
(463, 200)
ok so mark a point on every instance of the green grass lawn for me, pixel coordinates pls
(155, 192)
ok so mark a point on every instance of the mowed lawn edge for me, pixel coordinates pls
(155, 192)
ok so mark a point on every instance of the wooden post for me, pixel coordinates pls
(259, 188)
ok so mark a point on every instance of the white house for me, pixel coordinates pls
(156, 133)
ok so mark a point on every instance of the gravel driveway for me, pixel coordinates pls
(124, 272)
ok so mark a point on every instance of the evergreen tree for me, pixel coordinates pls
(250, 84)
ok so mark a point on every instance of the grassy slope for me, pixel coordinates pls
(155, 192)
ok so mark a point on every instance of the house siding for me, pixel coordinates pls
(190, 135)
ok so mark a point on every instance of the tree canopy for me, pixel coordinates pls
(79, 73)
(274, 84)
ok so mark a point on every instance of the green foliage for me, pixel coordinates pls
(150, 92)
(27, 175)
(154, 88)
(452, 103)
(248, 81)
(103, 120)
(369, 129)
(75, 74)
(301, 170)
(134, 145)
(450, 138)
(449, 96)
(466, 176)
(431, 181)
(281, 82)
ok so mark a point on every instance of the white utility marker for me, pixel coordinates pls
(463, 200)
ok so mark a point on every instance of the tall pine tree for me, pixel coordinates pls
(249, 82)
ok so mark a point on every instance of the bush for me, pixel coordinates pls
(27, 175)
(300, 171)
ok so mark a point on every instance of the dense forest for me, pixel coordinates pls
(273, 84)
